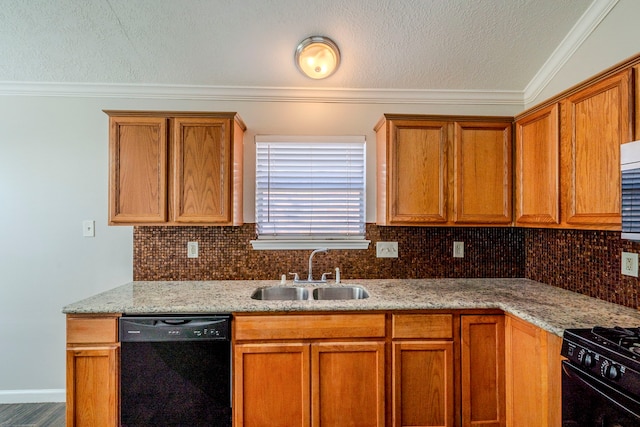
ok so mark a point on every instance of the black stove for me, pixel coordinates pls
(613, 354)
(601, 377)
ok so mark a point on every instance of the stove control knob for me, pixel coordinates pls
(589, 360)
(612, 371)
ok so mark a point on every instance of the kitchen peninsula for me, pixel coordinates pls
(459, 327)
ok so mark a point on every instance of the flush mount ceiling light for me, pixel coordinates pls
(317, 57)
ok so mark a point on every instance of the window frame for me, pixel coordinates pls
(267, 242)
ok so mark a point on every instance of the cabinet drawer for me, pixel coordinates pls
(309, 326)
(88, 330)
(422, 326)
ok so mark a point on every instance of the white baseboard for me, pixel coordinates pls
(32, 396)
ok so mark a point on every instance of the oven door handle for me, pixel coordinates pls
(604, 390)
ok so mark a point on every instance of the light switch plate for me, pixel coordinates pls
(458, 249)
(387, 249)
(89, 228)
(629, 264)
(192, 249)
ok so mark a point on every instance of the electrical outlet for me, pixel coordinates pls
(458, 249)
(387, 249)
(630, 264)
(192, 249)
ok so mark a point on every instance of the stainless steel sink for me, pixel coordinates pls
(343, 292)
(280, 293)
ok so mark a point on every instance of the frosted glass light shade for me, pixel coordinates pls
(317, 57)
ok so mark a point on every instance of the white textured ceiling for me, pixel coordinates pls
(451, 45)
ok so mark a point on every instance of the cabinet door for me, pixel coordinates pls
(423, 383)
(533, 376)
(537, 172)
(202, 156)
(596, 121)
(348, 384)
(636, 97)
(137, 170)
(271, 385)
(482, 173)
(92, 386)
(483, 393)
(416, 171)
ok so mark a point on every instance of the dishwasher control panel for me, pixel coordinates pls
(174, 328)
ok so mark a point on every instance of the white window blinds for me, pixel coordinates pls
(310, 188)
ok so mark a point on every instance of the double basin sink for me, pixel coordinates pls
(295, 293)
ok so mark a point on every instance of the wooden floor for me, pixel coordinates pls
(32, 415)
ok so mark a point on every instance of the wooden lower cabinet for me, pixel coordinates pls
(300, 379)
(483, 373)
(444, 369)
(347, 383)
(423, 393)
(272, 384)
(533, 372)
(422, 370)
(93, 362)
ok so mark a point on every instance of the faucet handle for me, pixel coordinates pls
(296, 278)
(324, 276)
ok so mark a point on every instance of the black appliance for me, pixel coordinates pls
(601, 377)
(175, 371)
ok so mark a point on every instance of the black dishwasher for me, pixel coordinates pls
(175, 371)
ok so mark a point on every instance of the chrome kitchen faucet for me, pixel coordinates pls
(323, 279)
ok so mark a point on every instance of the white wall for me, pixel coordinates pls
(614, 40)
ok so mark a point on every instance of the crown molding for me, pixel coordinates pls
(262, 94)
(588, 22)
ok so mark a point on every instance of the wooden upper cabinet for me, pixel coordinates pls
(412, 172)
(442, 170)
(537, 171)
(201, 165)
(482, 172)
(596, 120)
(175, 168)
(636, 97)
(138, 169)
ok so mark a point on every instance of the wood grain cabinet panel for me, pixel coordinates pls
(482, 173)
(596, 121)
(636, 103)
(537, 169)
(347, 380)
(412, 172)
(483, 374)
(444, 170)
(271, 385)
(202, 170)
(423, 383)
(534, 380)
(138, 170)
(92, 372)
(306, 377)
(175, 168)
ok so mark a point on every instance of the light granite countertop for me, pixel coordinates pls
(548, 307)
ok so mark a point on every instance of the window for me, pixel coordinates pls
(310, 192)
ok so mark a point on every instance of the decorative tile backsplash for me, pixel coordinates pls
(583, 261)
(587, 262)
(160, 253)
